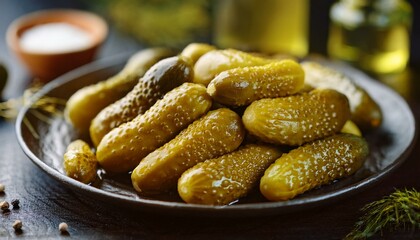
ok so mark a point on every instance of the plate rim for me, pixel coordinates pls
(253, 209)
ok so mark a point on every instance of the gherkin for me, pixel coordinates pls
(312, 165)
(217, 61)
(80, 162)
(158, 80)
(88, 101)
(123, 147)
(241, 86)
(217, 133)
(297, 119)
(3, 78)
(223, 180)
(351, 127)
(194, 51)
(366, 113)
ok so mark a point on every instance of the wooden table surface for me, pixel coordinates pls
(44, 202)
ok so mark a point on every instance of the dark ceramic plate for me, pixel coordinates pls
(45, 140)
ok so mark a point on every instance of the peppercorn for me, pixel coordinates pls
(15, 203)
(4, 206)
(63, 227)
(2, 188)
(17, 225)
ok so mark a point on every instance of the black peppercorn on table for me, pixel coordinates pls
(44, 203)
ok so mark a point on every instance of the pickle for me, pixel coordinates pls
(217, 61)
(297, 119)
(351, 127)
(365, 111)
(88, 101)
(242, 86)
(80, 162)
(194, 51)
(158, 80)
(222, 180)
(312, 165)
(217, 133)
(123, 147)
(3, 78)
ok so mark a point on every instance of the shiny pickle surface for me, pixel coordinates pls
(241, 86)
(88, 101)
(194, 51)
(366, 113)
(217, 133)
(123, 147)
(312, 165)
(80, 162)
(223, 180)
(297, 119)
(217, 61)
(158, 80)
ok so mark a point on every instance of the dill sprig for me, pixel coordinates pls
(43, 108)
(399, 210)
(10, 108)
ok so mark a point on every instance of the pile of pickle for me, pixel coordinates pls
(214, 123)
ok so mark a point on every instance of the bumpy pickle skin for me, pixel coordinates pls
(158, 80)
(217, 61)
(88, 101)
(297, 119)
(194, 51)
(365, 111)
(80, 162)
(241, 86)
(217, 133)
(223, 180)
(123, 147)
(312, 165)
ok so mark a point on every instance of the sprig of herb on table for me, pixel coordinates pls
(10, 108)
(42, 109)
(399, 210)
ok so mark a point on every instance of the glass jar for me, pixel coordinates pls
(373, 35)
(269, 26)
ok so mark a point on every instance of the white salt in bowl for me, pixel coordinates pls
(52, 42)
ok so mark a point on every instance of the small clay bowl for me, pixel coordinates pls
(48, 65)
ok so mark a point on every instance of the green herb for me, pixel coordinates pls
(10, 108)
(399, 210)
(42, 109)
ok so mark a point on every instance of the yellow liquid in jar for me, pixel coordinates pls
(270, 26)
(372, 35)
